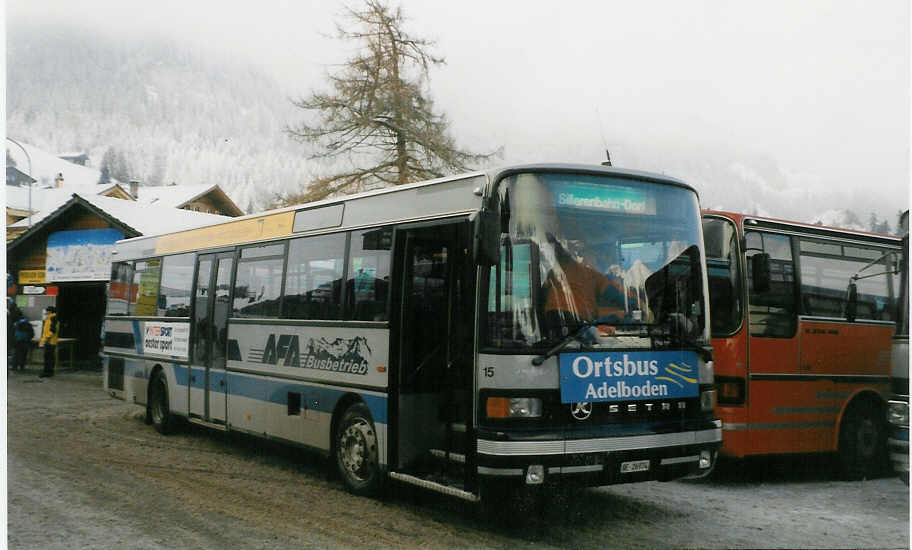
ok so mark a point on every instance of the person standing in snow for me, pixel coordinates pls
(22, 338)
(49, 335)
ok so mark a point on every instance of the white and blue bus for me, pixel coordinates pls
(898, 406)
(533, 326)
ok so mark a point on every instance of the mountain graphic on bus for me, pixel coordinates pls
(350, 355)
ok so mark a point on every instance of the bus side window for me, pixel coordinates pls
(773, 313)
(367, 287)
(826, 269)
(119, 289)
(314, 278)
(146, 277)
(176, 283)
(258, 283)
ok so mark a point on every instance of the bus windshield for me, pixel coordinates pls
(610, 255)
(724, 273)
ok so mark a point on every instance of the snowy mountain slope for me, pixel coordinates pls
(176, 116)
(182, 116)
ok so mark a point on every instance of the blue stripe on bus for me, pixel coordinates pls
(181, 374)
(271, 391)
(137, 337)
(196, 375)
(315, 397)
(135, 368)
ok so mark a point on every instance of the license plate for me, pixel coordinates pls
(634, 466)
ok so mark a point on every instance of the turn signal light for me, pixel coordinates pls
(730, 390)
(498, 407)
(513, 407)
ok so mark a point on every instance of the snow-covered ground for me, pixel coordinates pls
(84, 471)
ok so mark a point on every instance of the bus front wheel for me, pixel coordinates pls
(158, 408)
(356, 452)
(862, 442)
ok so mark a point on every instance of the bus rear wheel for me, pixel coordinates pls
(158, 408)
(356, 454)
(862, 443)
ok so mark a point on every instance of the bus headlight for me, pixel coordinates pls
(706, 372)
(708, 401)
(898, 413)
(513, 407)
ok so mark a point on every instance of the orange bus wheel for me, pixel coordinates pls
(862, 442)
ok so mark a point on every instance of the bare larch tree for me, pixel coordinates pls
(377, 123)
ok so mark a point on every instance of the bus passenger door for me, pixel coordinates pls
(208, 381)
(425, 325)
(776, 387)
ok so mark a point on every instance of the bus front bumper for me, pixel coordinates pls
(601, 460)
(898, 441)
(898, 444)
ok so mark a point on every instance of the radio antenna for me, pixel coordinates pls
(604, 141)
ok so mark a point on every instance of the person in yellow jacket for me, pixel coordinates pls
(49, 334)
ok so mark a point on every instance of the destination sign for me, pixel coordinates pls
(628, 376)
(606, 198)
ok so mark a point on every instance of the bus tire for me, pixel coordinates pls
(356, 452)
(862, 442)
(158, 408)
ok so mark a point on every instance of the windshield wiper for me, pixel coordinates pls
(578, 336)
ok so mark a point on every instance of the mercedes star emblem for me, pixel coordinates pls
(581, 411)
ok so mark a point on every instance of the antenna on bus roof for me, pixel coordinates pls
(604, 142)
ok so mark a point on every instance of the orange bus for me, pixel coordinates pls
(796, 369)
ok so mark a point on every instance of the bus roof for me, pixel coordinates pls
(450, 196)
(811, 229)
(594, 169)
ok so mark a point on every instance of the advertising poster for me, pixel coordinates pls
(81, 255)
(166, 339)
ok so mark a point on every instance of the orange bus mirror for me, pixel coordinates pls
(851, 301)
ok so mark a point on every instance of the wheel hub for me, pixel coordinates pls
(357, 444)
(158, 412)
(867, 437)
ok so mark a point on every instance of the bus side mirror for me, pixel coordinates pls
(851, 302)
(760, 271)
(487, 237)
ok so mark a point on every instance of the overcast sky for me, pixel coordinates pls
(822, 88)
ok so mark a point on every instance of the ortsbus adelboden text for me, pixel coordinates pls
(520, 328)
(802, 363)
